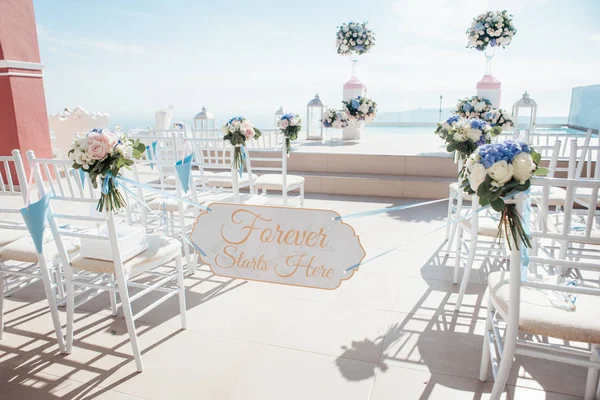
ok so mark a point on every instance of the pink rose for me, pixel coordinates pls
(98, 150)
(249, 133)
(283, 123)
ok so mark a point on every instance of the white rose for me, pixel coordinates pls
(232, 128)
(501, 172)
(523, 167)
(293, 121)
(477, 176)
(459, 134)
(473, 134)
(364, 108)
(480, 106)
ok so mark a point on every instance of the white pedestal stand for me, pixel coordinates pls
(353, 88)
(490, 88)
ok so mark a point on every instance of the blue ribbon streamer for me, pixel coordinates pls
(384, 210)
(161, 192)
(109, 177)
(151, 153)
(524, 250)
(35, 219)
(81, 176)
(241, 168)
(184, 168)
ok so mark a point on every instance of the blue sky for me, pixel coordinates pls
(129, 58)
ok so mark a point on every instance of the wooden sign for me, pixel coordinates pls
(292, 246)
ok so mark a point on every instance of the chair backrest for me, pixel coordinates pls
(13, 184)
(548, 138)
(80, 223)
(270, 139)
(584, 158)
(575, 229)
(204, 134)
(550, 155)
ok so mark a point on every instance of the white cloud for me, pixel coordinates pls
(594, 38)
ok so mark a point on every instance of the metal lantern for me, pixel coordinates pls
(525, 102)
(204, 121)
(278, 114)
(314, 112)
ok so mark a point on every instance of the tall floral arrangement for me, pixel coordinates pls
(336, 119)
(360, 108)
(102, 153)
(493, 28)
(473, 107)
(237, 131)
(499, 119)
(464, 135)
(354, 38)
(290, 125)
(496, 171)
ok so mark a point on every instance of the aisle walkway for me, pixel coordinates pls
(388, 333)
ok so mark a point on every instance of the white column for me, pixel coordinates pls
(353, 88)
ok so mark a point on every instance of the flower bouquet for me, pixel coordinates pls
(493, 28)
(464, 136)
(336, 119)
(290, 125)
(495, 171)
(238, 130)
(354, 38)
(499, 119)
(360, 108)
(101, 152)
(473, 107)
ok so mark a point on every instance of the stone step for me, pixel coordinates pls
(348, 163)
(383, 185)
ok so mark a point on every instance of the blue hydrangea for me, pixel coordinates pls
(493, 42)
(467, 107)
(235, 119)
(479, 26)
(478, 124)
(453, 119)
(355, 104)
(492, 153)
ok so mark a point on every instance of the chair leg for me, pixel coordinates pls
(592, 378)
(180, 283)
(1, 301)
(50, 295)
(284, 195)
(458, 256)
(467, 273)
(113, 299)
(70, 308)
(449, 218)
(485, 351)
(126, 306)
(58, 279)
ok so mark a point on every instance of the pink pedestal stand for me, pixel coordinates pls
(490, 88)
(353, 88)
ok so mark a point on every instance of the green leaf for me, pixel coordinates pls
(257, 133)
(541, 172)
(483, 191)
(537, 157)
(496, 130)
(498, 204)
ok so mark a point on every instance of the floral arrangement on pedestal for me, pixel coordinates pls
(237, 131)
(496, 171)
(354, 38)
(473, 107)
(499, 119)
(360, 109)
(463, 136)
(493, 28)
(103, 153)
(290, 125)
(179, 125)
(336, 119)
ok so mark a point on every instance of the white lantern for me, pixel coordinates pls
(314, 113)
(204, 121)
(525, 102)
(278, 114)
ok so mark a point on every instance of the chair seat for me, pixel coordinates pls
(538, 316)
(224, 179)
(275, 181)
(556, 197)
(583, 194)
(160, 250)
(487, 226)
(23, 249)
(168, 204)
(454, 187)
(10, 235)
(172, 179)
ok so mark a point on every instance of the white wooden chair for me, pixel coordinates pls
(116, 276)
(20, 263)
(273, 161)
(486, 226)
(542, 308)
